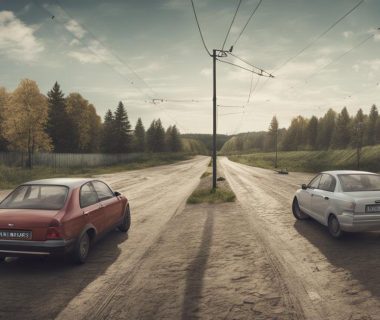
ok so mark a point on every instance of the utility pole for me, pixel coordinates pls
(214, 121)
(359, 143)
(216, 53)
(276, 141)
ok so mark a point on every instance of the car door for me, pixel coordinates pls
(112, 205)
(92, 210)
(322, 196)
(305, 196)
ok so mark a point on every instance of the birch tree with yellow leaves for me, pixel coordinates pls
(25, 119)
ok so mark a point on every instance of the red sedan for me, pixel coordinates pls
(59, 216)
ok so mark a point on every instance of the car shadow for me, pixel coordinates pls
(356, 253)
(39, 288)
(196, 271)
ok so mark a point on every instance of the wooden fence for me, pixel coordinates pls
(67, 160)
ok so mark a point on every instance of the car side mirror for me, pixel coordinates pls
(304, 187)
(117, 194)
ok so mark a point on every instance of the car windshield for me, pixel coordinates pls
(360, 182)
(44, 197)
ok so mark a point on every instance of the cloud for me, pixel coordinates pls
(17, 40)
(372, 64)
(84, 56)
(206, 72)
(348, 34)
(75, 28)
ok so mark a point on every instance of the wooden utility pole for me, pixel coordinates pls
(214, 121)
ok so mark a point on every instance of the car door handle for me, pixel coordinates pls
(327, 198)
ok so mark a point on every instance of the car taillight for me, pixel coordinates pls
(53, 234)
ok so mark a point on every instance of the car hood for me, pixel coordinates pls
(26, 218)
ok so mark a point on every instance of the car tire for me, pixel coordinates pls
(126, 223)
(334, 227)
(82, 248)
(297, 212)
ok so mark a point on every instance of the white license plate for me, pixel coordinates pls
(372, 208)
(15, 234)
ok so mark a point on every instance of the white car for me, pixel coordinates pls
(342, 200)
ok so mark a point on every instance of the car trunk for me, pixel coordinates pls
(366, 199)
(18, 221)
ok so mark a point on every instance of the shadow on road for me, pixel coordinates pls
(196, 271)
(36, 288)
(357, 253)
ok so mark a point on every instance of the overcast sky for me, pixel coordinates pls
(136, 50)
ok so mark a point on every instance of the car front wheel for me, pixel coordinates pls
(126, 223)
(81, 249)
(334, 227)
(297, 212)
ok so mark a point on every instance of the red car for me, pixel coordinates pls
(59, 216)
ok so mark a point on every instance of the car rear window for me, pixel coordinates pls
(360, 182)
(44, 197)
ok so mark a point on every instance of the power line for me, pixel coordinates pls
(341, 56)
(243, 60)
(232, 22)
(245, 26)
(319, 36)
(199, 28)
(261, 72)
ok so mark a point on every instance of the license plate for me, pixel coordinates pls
(15, 234)
(372, 208)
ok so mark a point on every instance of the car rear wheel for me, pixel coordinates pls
(82, 248)
(297, 212)
(126, 224)
(334, 227)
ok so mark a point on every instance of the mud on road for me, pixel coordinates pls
(243, 260)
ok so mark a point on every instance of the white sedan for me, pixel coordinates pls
(342, 200)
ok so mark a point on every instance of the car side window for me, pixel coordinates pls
(103, 191)
(315, 182)
(327, 183)
(87, 195)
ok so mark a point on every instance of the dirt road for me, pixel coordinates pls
(34, 289)
(330, 279)
(244, 260)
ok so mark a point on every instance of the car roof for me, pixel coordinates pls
(68, 182)
(337, 172)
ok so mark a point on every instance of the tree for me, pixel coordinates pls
(295, 137)
(156, 137)
(326, 127)
(4, 99)
(273, 133)
(59, 126)
(122, 130)
(26, 117)
(373, 121)
(173, 139)
(342, 135)
(139, 137)
(108, 132)
(358, 134)
(312, 132)
(86, 124)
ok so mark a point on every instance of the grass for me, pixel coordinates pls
(205, 194)
(13, 176)
(315, 161)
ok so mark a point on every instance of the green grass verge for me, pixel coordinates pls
(218, 195)
(13, 176)
(315, 161)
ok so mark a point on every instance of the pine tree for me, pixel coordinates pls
(59, 126)
(273, 133)
(122, 129)
(373, 121)
(358, 129)
(108, 136)
(173, 139)
(156, 137)
(326, 127)
(139, 137)
(342, 135)
(312, 132)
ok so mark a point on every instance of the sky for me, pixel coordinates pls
(136, 51)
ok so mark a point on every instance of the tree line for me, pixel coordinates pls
(31, 122)
(334, 130)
